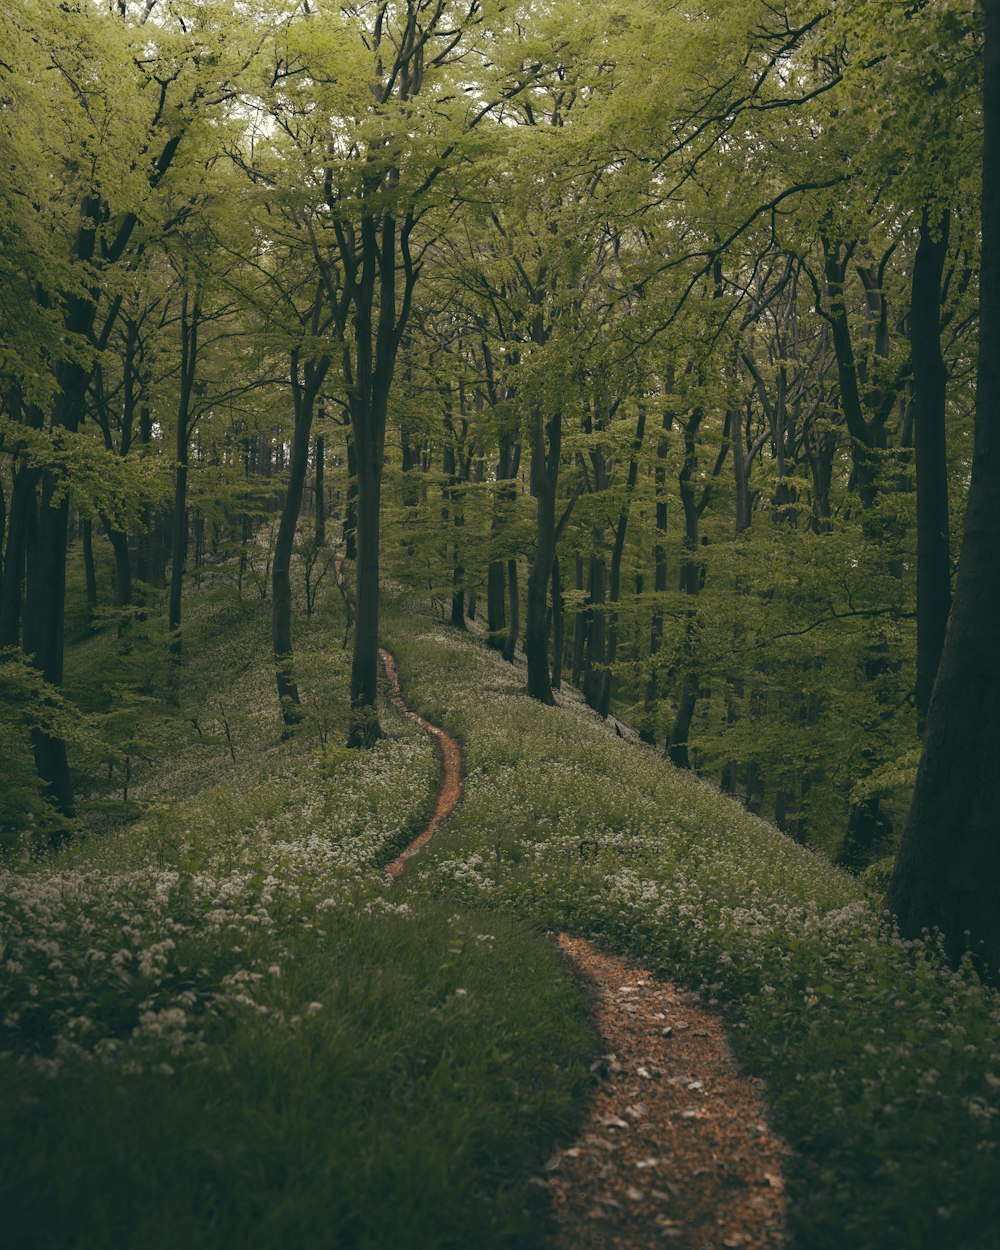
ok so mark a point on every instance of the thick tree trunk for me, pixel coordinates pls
(351, 502)
(45, 600)
(677, 743)
(21, 528)
(947, 872)
(930, 378)
(496, 617)
(123, 564)
(364, 728)
(43, 630)
(558, 619)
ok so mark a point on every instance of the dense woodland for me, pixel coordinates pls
(643, 337)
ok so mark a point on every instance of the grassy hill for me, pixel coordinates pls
(219, 1024)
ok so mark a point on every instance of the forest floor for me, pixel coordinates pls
(675, 1147)
(230, 1017)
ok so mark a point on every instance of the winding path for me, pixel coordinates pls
(450, 789)
(675, 1149)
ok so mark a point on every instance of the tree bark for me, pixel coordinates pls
(123, 564)
(179, 521)
(364, 728)
(947, 871)
(930, 378)
(21, 527)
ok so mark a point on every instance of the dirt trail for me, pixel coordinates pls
(450, 791)
(675, 1149)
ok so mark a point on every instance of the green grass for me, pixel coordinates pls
(219, 1025)
(385, 1090)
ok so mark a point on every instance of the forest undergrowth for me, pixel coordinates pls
(219, 1023)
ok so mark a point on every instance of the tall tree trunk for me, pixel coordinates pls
(306, 381)
(690, 584)
(364, 728)
(496, 616)
(43, 630)
(558, 619)
(45, 601)
(123, 564)
(947, 871)
(930, 379)
(21, 527)
(351, 501)
(652, 694)
(179, 522)
(508, 464)
(514, 626)
(546, 450)
(617, 553)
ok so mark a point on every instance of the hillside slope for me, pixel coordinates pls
(221, 1023)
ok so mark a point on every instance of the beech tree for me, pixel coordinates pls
(947, 872)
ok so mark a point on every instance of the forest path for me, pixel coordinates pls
(675, 1149)
(450, 787)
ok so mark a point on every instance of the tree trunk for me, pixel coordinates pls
(558, 618)
(21, 527)
(617, 553)
(364, 728)
(179, 523)
(304, 391)
(545, 455)
(123, 564)
(514, 628)
(647, 733)
(351, 502)
(930, 379)
(947, 872)
(43, 630)
(496, 617)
